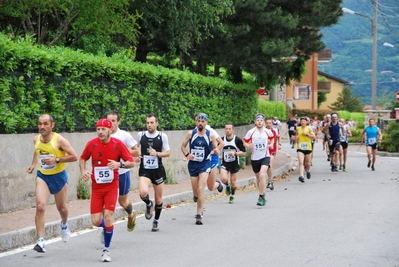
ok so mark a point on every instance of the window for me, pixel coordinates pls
(301, 91)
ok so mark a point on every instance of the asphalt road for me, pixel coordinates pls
(333, 219)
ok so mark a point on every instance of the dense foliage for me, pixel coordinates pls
(78, 89)
(271, 39)
(390, 139)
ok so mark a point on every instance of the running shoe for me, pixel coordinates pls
(195, 199)
(198, 219)
(368, 164)
(102, 237)
(155, 226)
(301, 179)
(336, 168)
(65, 233)
(131, 222)
(40, 246)
(202, 215)
(344, 168)
(260, 202)
(106, 256)
(328, 158)
(231, 199)
(270, 185)
(228, 189)
(220, 187)
(308, 175)
(372, 167)
(148, 212)
(341, 168)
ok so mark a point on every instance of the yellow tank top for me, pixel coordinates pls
(49, 149)
(304, 142)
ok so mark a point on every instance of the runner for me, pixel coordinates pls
(232, 150)
(277, 126)
(272, 152)
(345, 133)
(291, 126)
(124, 173)
(105, 153)
(304, 136)
(154, 146)
(257, 139)
(373, 136)
(198, 155)
(52, 151)
(332, 131)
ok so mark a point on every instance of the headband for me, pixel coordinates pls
(202, 116)
(104, 123)
(259, 117)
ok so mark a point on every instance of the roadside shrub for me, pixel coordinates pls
(390, 138)
(273, 108)
(83, 189)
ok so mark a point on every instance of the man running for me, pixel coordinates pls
(291, 126)
(345, 134)
(153, 147)
(332, 131)
(52, 151)
(232, 150)
(106, 153)
(277, 126)
(272, 152)
(198, 155)
(373, 136)
(124, 173)
(304, 136)
(257, 139)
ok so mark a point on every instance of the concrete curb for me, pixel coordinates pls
(27, 236)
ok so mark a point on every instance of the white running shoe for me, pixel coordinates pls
(65, 233)
(106, 256)
(40, 247)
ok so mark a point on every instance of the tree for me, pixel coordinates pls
(347, 101)
(65, 22)
(321, 97)
(271, 39)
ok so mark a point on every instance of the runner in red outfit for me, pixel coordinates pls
(105, 152)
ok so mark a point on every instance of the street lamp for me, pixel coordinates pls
(374, 33)
(390, 45)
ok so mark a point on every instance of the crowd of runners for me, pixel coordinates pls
(114, 151)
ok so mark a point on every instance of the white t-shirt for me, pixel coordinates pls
(260, 140)
(128, 140)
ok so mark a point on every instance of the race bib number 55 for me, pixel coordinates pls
(103, 175)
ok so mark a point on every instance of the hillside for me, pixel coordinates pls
(351, 43)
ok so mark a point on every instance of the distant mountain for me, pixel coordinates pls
(351, 43)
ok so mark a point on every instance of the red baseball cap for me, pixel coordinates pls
(104, 123)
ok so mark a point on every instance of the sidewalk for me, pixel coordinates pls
(18, 228)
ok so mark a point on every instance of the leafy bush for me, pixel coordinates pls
(356, 136)
(272, 108)
(83, 190)
(390, 138)
(358, 117)
(78, 89)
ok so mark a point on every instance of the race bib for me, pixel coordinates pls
(44, 166)
(292, 128)
(199, 154)
(150, 162)
(103, 175)
(260, 146)
(304, 146)
(372, 141)
(227, 157)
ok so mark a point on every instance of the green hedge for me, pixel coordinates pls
(78, 89)
(273, 108)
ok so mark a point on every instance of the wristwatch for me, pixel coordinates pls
(122, 164)
(158, 154)
(57, 160)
